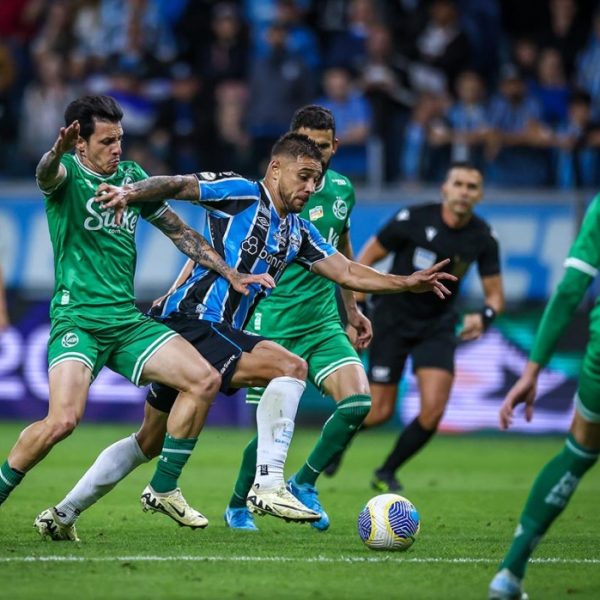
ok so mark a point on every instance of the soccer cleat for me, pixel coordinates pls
(384, 481)
(239, 518)
(281, 503)
(308, 495)
(48, 525)
(174, 505)
(506, 586)
(333, 467)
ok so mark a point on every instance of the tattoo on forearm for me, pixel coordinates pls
(161, 188)
(192, 244)
(47, 169)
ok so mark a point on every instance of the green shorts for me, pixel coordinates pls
(587, 398)
(325, 351)
(123, 345)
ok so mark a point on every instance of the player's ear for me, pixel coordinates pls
(334, 146)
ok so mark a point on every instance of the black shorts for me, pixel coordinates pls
(219, 344)
(390, 349)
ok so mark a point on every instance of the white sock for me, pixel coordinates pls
(112, 465)
(275, 417)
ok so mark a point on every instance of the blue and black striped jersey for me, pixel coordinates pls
(245, 229)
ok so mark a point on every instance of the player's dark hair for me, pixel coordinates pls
(296, 145)
(462, 164)
(313, 116)
(89, 109)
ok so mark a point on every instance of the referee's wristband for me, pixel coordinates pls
(488, 314)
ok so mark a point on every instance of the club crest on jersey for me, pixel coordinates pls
(340, 208)
(430, 233)
(69, 340)
(315, 213)
(423, 258)
(295, 242)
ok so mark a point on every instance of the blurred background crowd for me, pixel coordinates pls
(511, 85)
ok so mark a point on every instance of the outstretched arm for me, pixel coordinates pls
(153, 189)
(359, 329)
(195, 246)
(360, 278)
(49, 172)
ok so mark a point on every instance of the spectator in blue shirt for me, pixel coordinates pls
(550, 87)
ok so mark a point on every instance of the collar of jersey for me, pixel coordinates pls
(90, 172)
(271, 203)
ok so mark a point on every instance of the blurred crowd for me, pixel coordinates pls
(512, 86)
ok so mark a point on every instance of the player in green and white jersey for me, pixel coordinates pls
(302, 315)
(94, 319)
(557, 481)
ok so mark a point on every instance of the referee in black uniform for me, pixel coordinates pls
(424, 326)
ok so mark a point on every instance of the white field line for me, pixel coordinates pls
(287, 559)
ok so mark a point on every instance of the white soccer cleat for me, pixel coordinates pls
(279, 502)
(48, 525)
(506, 586)
(174, 505)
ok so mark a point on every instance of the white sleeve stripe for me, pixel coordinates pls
(161, 210)
(584, 267)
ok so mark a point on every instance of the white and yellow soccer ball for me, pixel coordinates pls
(388, 522)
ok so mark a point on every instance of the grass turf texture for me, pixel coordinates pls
(468, 491)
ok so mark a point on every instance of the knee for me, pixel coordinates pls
(430, 416)
(61, 427)
(205, 386)
(293, 366)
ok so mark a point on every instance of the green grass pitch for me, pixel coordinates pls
(469, 491)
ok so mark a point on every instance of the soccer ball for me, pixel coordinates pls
(388, 522)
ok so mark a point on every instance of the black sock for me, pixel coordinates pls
(410, 441)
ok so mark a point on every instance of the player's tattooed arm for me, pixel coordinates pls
(153, 189)
(49, 172)
(197, 248)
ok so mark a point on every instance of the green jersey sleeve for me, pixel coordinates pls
(582, 265)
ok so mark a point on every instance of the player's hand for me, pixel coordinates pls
(472, 327)
(359, 330)
(522, 392)
(430, 280)
(159, 300)
(241, 281)
(67, 138)
(112, 197)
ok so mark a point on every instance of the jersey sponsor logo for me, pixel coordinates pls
(340, 208)
(339, 181)
(430, 233)
(105, 219)
(69, 340)
(380, 374)
(423, 258)
(403, 215)
(250, 245)
(315, 213)
(200, 309)
(257, 321)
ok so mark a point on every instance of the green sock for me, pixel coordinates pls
(549, 495)
(172, 459)
(246, 475)
(9, 479)
(337, 432)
